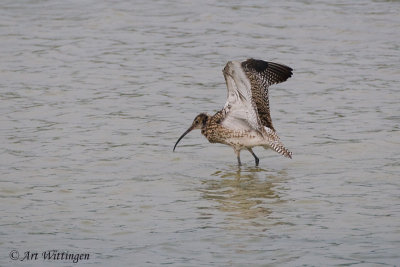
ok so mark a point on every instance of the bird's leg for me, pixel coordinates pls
(254, 155)
(237, 152)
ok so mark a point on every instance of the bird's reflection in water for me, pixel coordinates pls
(247, 193)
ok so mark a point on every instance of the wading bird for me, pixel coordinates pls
(245, 120)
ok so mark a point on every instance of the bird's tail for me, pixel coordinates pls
(273, 142)
(278, 147)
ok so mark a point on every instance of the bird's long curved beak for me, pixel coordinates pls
(183, 135)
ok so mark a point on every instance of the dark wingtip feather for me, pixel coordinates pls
(256, 64)
(283, 72)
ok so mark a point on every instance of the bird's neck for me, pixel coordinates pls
(206, 122)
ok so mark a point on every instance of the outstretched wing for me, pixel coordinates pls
(261, 75)
(240, 110)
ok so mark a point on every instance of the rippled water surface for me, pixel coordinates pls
(94, 95)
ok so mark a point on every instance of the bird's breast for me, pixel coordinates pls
(219, 134)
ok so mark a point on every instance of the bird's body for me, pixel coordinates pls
(245, 120)
(216, 132)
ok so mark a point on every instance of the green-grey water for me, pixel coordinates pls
(94, 94)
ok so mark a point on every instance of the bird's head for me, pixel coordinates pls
(198, 123)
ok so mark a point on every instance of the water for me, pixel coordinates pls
(94, 95)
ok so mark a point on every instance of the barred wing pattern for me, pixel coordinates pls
(275, 143)
(263, 74)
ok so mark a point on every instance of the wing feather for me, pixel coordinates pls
(240, 109)
(263, 74)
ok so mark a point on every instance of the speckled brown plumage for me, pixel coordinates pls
(245, 120)
(215, 132)
(262, 75)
